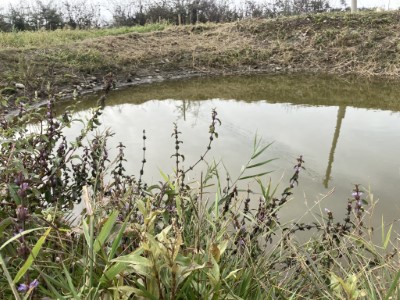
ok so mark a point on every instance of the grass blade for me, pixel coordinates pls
(105, 231)
(261, 163)
(70, 283)
(17, 236)
(255, 175)
(9, 279)
(260, 151)
(393, 286)
(32, 256)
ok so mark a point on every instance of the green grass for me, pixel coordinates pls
(44, 39)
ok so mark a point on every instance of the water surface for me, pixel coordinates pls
(347, 130)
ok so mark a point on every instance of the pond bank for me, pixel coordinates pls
(364, 44)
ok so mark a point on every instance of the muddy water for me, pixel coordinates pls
(347, 130)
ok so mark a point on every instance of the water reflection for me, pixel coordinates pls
(300, 115)
(340, 117)
(186, 106)
(302, 90)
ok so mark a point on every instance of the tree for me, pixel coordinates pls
(19, 19)
(78, 14)
(4, 25)
(46, 16)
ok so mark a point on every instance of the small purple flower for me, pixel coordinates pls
(34, 284)
(327, 210)
(23, 188)
(22, 213)
(23, 287)
(19, 178)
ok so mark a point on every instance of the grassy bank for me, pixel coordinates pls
(44, 39)
(362, 44)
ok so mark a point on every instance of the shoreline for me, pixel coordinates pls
(363, 45)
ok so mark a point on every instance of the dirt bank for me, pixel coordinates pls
(365, 44)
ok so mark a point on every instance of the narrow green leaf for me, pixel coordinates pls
(387, 239)
(134, 258)
(166, 178)
(105, 231)
(14, 195)
(9, 279)
(118, 238)
(260, 163)
(19, 235)
(49, 282)
(126, 290)
(4, 224)
(255, 175)
(260, 151)
(142, 292)
(393, 286)
(70, 283)
(32, 256)
(113, 271)
(255, 141)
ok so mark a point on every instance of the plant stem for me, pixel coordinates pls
(9, 279)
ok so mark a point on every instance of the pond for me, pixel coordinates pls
(347, 130)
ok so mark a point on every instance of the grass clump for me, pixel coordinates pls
(169, 240)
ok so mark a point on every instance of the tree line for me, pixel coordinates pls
(79, 14)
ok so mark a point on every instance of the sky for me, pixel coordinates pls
(391, 4)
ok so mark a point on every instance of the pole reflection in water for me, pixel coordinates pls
(339, 119)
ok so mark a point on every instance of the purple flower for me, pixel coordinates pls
(23, 287)
(34, 284)
(357, 194)
(23, 188)
(19, 178)
(22, 213)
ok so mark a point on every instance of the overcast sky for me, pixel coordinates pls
(392, 4)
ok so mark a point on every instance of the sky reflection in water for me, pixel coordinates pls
(342, 145)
